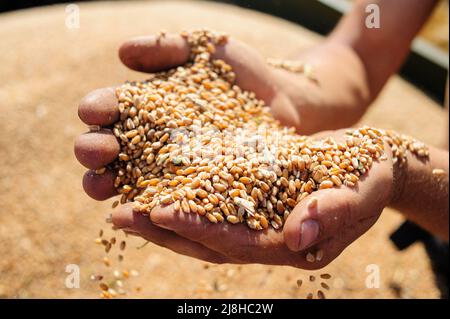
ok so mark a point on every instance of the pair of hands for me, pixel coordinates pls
(341, 216)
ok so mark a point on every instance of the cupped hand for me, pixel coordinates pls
(340, 216)
(337, 218)
(157, 53)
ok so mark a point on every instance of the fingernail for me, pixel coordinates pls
(309, 231)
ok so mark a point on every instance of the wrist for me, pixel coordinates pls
(399, 173)
(396, 182)
(338, 94)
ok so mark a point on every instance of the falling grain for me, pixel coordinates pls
(320, 294)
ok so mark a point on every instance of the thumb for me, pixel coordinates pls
(318, 217)
(341, 213)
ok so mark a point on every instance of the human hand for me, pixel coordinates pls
(342, 215)
(337, 97)
(152, 54)
(338, 218)
(97, 149)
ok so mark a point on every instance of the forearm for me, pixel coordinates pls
(421, 191)
(382, 50)
(353, 63)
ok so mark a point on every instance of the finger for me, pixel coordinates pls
(99, 186)
(237, 242)
(199, 229)
(96, 149)
(153, 53)
(123, 217)
(99, 107)
(328, 212)
(311, 223)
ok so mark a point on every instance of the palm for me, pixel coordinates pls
(252, 72)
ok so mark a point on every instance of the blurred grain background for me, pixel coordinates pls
(436, 29)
